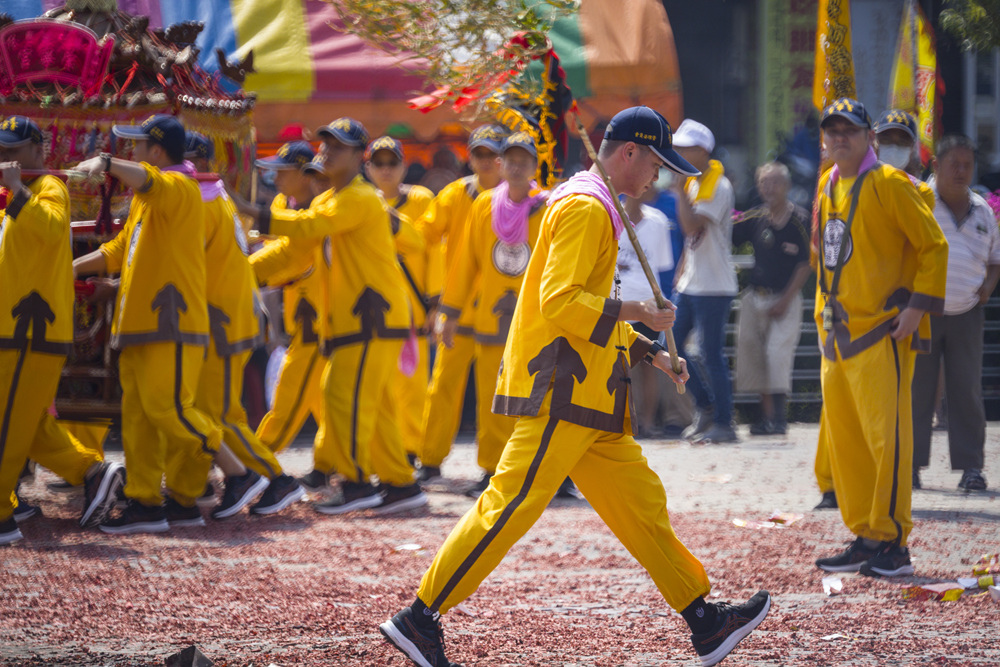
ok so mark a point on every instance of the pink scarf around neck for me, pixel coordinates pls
(510, 219)
(209, 189)
(589, 183)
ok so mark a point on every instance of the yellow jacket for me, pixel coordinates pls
(444, 223)
(414, 253)
(569, 341)
(367, 294)
(160, 254)
(298, 268)
(36, 270)
(897, 257)
(498, 269)
(234, 312)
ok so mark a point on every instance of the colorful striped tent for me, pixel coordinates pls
(308, 72)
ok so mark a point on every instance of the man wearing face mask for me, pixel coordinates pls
(895, 139)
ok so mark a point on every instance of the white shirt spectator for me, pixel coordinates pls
(707, 270)
(653, 234)
(973, 244)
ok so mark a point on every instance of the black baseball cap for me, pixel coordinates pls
(386, 143)
(521, 140)
(644, 126)
(314, 166)
(850, 110)
(162, 129)
(293, 155)
(347, 131)
(897, 119)
(488, 136)
(19, 130)
(198, 145)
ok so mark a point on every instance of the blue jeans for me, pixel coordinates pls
(707, 314)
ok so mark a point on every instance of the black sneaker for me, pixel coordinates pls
(137, 518)
(568, 490)
(477, 489)
(428, 473)
(719, 434)
(100, 491)
(412, 459)
(422, 644)
(25, 511)
(355, 496)
(890, 561)
(972, 480)
(179, 516)
(401, 498)
(763, 427)
(732, 624)
(241, 490)
(702, 422)
(281, 492)
(849, 560)
(829, 501)
(315, 481)
(207, 497)
(9, 532)
(62, 486)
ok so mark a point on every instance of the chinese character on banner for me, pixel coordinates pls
(833, 76)
(914, 75)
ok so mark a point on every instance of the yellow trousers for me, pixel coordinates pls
(411, 398)
(612, 473)
(362, 429)
(492, 430)
(220, 391)
(867, 428)
(28, 382)
(89, 434)
(298, 394)
(443, 413)
(824, 475)
(162, 430)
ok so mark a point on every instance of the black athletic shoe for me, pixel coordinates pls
(355, 496)
(763, 427)
(207, 497)
(62, 486)
(972, 480)
(422, 644)
(428, 473)
(100, 492)
(137, 518)
(281, 492)
(315, 481)
(179, 516)
(412, 459)
(568, 490)
(849, 560)
(241, 490)
(732, 624)
(477, 489)
(890, 561)
(25, 511)
(829, 501)
(9, 532)
(401, 498)
(702, 422)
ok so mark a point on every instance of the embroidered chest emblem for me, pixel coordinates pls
(833, 238)
(511, 260)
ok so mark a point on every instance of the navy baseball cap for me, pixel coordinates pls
(293, 155)
(850, 110)
(644, 126)
(488, 136)
(162, 129)
(198, 145)
(390, 144)
(521, 140)
(19, 130)
(314, 166)
(897, 119)
(345, 130)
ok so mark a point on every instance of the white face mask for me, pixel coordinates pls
(897, 156)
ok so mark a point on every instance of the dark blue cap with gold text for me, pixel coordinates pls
(644, 126)
(19, 130)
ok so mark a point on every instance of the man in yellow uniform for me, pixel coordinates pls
(882, 261)
(234, 320)
(444, 223)
(296, 267)
(385, 167)
(160, 323)
(566, 375)
(502, 229)
(36, 333)
(370, 320)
